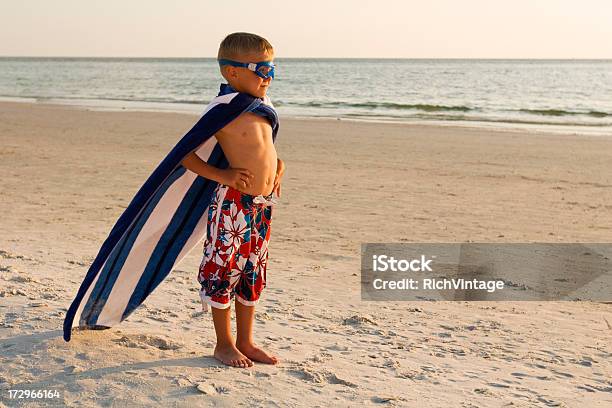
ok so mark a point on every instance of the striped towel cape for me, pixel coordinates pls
(164, 221)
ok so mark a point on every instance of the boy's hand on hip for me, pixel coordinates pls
(280, 170)
(237, 178)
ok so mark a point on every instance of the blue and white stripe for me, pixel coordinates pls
(164, 221)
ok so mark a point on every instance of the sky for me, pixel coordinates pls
(310, 28)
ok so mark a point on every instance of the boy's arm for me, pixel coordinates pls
(194, 163)
(280, 170)
(237, 178)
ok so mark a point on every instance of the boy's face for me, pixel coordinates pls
(244, 80)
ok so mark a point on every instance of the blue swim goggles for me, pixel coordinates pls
(263, 69)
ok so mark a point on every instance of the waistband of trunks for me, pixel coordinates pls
(258, 199)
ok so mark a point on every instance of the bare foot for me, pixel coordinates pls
(232, 357)
(255, 353)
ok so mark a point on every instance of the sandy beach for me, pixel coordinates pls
(68, 173)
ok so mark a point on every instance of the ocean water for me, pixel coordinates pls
(557, 95)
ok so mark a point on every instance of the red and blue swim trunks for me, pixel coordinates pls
(236, 248)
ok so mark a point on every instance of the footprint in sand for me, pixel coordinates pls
(9, 255)
(319, 377)
(321, 358)
(160, 315)
(387, 399)
(484, 391)
(338, 347)
(358, 320)
(12, 292)
(262, 316)
(146, 341)
(24, 279)
(79, 263)
(212, 389)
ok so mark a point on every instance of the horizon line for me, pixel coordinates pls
(330, 58)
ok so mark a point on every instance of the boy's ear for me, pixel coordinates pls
(227, 71)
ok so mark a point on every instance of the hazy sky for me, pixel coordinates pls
(310, 28)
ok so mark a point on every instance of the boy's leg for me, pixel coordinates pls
(225, 350)
(244, 335)
(216, 277)
(250, 286)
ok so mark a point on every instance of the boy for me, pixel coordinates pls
(238, 229)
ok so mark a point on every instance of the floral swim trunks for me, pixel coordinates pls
(236, 248)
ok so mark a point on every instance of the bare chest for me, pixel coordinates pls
(248, 129)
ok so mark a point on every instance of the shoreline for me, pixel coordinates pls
(161, 107)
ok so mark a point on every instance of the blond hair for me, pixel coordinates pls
(236, 45)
